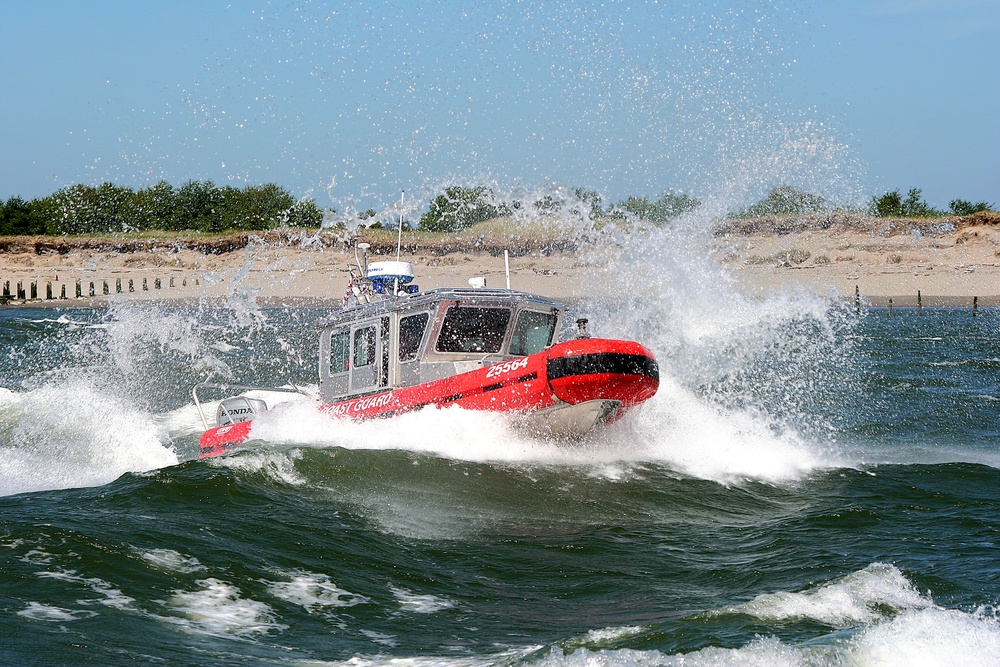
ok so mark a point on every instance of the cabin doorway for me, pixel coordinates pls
(370, 343)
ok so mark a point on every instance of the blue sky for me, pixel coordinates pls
(352, 102)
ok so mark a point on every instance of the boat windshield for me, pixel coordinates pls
(411, 332)
(532, 332)
(473, 329)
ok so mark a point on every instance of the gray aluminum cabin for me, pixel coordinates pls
(409, 340)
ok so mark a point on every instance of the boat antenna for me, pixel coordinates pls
(506, 265)
(399, 242)
(399, 236)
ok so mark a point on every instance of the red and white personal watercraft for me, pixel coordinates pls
(393, 349)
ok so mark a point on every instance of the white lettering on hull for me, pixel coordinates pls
(506, 367)
(359, 405)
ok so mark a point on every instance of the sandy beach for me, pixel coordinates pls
(947, 268)
(948, 264)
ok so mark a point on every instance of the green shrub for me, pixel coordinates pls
(21, 217)
(460, 207)
(196, 205)
(892, 205)
(668, 206)
(963, 207)
(783, 257)
(785, 200)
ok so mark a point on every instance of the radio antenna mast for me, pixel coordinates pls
(399, 242)
(399, 237)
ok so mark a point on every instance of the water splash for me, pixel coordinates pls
(875, 593)
(73, 435)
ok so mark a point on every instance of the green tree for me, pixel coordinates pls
(672, 204)
(198, 207)
(549, 204)
(458, 208)
(17, 217)
(255, 207)
(591, 199)
(963, 207)
(786, 200)
(85, 209)
(155, 207)
(889, 205)
(892, 204)
(915, 207)
(640, 207)
(668, 206)
(46, 215)
(305, 213)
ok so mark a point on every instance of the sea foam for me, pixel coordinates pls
(219, 609)
(74, 435)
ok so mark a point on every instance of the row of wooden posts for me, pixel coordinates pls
(21, 290)
(24, 290)
(920, 303)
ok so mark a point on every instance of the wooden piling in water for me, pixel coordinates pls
(920, 304)
(975, 306)
(857, 300)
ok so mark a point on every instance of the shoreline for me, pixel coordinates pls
(948, 265)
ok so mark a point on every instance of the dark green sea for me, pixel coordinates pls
(809, 487)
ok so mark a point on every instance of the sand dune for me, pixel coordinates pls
(948, 264)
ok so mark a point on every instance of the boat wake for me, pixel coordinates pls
(675, 429)
(74, 435)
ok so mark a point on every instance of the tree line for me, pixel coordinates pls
(203, 206)
(893, 205)
(195, 205)
(460, 207)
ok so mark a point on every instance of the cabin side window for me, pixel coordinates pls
(364, 346)
(473, 329)
(411, 332)
(340, 355)
(532, 332)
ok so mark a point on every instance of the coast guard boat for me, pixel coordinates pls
(393, 348)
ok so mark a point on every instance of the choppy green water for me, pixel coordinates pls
(806, 488)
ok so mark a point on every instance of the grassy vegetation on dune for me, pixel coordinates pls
(854, 222)
(520, 236)
(491, 237)
(212, 219)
